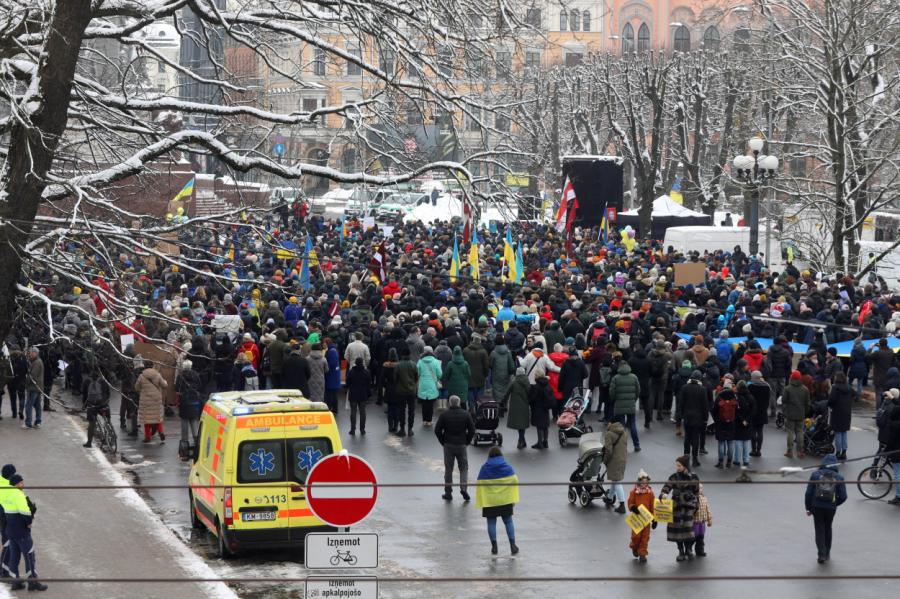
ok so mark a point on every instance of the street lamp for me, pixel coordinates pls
(754, 171)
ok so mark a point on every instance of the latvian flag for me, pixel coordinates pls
(568, 195)
(378, 264)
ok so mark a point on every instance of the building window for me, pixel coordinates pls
(643, 38)
(798, 166)
(309, 105)
(627, 38)
(445, 62)
(473, 116)
(574, 20)
(711, 39)
(504, 64)
(386, 60)
(532, 59)
(349, 161)
(533, 17)
(586, 20)
(353, 69)
(160, 67)
(414, 116)
(573, 59)
(742, 39)
(563, 20)
(682, 39)
(319, 62)
(501, 122)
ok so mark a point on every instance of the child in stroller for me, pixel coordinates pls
(818, 436)
(571, 422)
(487, 419)
(589, 475)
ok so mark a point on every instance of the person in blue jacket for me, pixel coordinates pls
(333, 375)
(824, 493)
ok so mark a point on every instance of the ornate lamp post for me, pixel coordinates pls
(754, 171)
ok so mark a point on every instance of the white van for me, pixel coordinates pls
(709, 239)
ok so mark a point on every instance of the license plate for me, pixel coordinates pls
(258, 516)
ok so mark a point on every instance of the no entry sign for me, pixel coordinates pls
(341, 489)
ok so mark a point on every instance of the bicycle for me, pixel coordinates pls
(106, 433)
(346, 557)
(876, 481)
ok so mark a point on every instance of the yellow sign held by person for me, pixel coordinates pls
(639, 521)
(664, 510)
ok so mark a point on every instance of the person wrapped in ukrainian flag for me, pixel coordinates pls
(496, 493)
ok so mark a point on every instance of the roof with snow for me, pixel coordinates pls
(666, 206)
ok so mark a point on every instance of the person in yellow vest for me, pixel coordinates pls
(496, 493)
(7, 471)
(19, 513)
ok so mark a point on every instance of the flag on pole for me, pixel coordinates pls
(454, 262)
(343, 229)
(234, 254)
(570, 219)
(509, 256)
(520, 265)
(473, 257)
(568, 194)
(186, 191)
(467, 221)
(378, 264)
(304, 265)
(604, 229)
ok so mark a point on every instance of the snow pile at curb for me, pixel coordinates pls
(192, 564)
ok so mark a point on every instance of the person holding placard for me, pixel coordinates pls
(683, 485)
(640, 502)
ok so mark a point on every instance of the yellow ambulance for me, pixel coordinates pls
(254, 452)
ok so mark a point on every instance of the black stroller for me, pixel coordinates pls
(590, 473)
(487, 419)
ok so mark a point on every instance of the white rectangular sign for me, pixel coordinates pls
(333, 551)
(341, 587)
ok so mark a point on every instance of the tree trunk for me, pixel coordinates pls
(33, 145)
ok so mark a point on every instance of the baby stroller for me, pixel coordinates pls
(487, 418)
(818, 436)
(571, 421)
(590, 473)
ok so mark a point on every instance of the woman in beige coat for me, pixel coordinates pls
(149, 386)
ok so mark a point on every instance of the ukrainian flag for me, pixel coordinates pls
(509, 255)
(304, 266)
(604, 230)
(473, 257)
(454, 262)
(186, 191)
(520, 265)
(497, 485)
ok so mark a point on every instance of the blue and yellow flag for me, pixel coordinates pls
(454, 262)
(520, 265)
(509, 255)
(304, 266)
(604, 230)
(186, 191)
(473, 257)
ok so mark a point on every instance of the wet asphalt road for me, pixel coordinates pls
(759, 530)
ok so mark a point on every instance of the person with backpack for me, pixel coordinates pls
(725, 413)
(95, 391)
(824, 493)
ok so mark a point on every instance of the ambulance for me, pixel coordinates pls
(254, 452)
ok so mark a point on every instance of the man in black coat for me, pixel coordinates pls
(571, 374)
(454, 430)
(780, 363)
(296, 372)
(692, 408)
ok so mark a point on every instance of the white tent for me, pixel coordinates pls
(447, 207)
(666, 213)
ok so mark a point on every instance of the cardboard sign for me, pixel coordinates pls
(664, 510)
(639, 521)
(690, 273)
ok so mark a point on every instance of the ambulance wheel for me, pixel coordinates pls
(222, 550)
(499, 439)
(585, 498)
(573, 496)
(196, 524)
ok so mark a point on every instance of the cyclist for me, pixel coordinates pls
(95, 390)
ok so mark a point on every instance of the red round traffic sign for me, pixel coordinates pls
(341, 490)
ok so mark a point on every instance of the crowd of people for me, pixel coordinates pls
(244, 307)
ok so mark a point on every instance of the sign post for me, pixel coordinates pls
(335, 551)
(341, 490)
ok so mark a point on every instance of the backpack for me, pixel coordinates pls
(624, 341)
(605, 375)
(658, 365)
(595, 334)
(826, 492)
(728, 410)
(95, 393)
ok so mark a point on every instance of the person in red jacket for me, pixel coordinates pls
(249, 346)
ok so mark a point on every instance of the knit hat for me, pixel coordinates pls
(687, 364)
(643, 476)
(684, 460)
(696, 375)
(756, 375)
(15, 479)
(7, 471)
(796, 376)
(895, 393)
